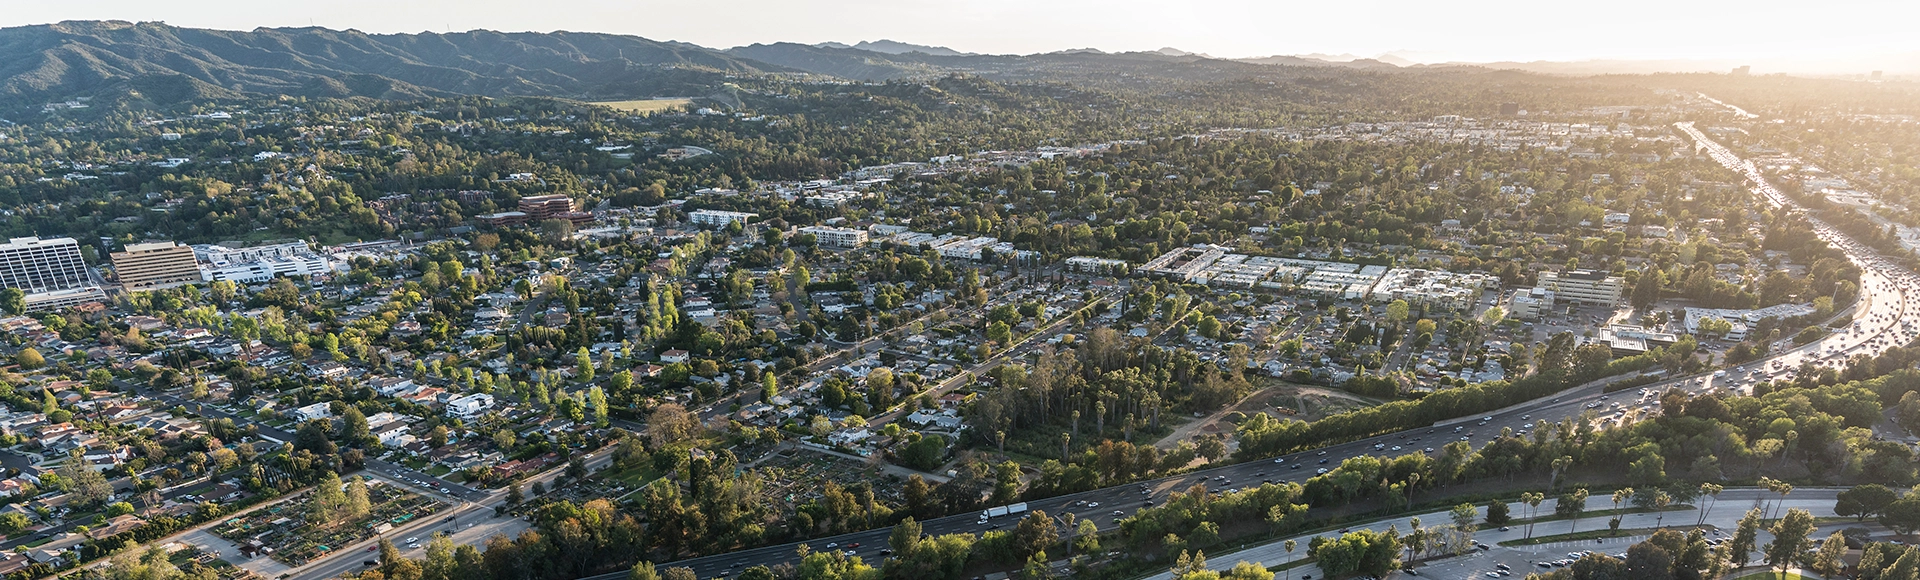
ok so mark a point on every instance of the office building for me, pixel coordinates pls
(540, 207)
(156, 266)
(260, 263)
(1583, 286)
(264, 270)
(1529, 303)
(556, 206)
(221, 255)
(35, 265)
(837, 237)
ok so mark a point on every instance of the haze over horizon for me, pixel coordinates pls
(1845, 36)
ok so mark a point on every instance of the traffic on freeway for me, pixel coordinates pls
(1878, 322)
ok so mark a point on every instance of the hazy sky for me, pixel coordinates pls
(1427, 30)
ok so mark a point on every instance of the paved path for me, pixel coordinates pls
(1725, 513)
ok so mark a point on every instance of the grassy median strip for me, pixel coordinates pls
(1599, 534)
(1592, 514)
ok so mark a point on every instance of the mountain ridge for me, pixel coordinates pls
(84, 58)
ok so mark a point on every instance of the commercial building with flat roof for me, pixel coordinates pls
(1529, 303)
(1583, 286)
(222, 254)
(35, 265)
(58, 299)
(156, 266)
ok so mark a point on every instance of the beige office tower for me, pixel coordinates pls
(156, 266)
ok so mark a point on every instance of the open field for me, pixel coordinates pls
(648, 106)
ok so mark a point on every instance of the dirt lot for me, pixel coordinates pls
(1281, 400)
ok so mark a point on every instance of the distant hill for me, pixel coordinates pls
(164, 63)
(844, 62)
(1067, 65)
(1171, 51)
(1284, 60)
(892, 47)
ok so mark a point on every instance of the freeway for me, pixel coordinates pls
(1877, 325)
(1525, 558)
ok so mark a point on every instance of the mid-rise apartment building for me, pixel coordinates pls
(837, 237)
(156, 266)
(718, 218)
(1102, 266)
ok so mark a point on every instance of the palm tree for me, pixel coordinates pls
(1412, 480)
(1782, 488)
(1559, 465)
(1533, 504)
(1660, 502)
(1580, 502)
(1289, 545)
(1770, 484)
(1712, 490)
(1414, 538)
(1620, 495)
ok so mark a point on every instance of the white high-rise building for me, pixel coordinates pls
(35, 265)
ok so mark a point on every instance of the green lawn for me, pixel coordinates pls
(1291, 565)
(1595, 534)
(438, 470)
(1597, 513)
(635, 476)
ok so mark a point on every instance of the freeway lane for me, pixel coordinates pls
(1723, 512)
(1877, 325)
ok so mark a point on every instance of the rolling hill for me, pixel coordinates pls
(168, 63)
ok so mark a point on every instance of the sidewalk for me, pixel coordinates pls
(1724, 514)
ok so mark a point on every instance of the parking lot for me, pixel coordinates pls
(1519, 560)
